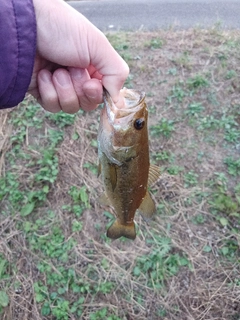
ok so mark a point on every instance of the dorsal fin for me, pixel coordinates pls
(154, 174)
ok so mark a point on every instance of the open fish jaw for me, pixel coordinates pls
(133, 103)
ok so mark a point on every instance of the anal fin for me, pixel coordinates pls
(103, 200)
(147, 207)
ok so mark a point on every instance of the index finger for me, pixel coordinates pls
(109, 64)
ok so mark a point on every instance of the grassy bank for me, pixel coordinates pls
(55, 259)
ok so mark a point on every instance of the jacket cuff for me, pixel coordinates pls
(24, 52)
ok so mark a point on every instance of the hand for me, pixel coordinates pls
(73, 60)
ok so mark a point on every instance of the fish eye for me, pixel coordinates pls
(139, 123)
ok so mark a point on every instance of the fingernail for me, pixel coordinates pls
(46, 77)
(77, 73)
(92, 95)
(63, 79)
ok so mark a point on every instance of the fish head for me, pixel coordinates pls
(124, 130)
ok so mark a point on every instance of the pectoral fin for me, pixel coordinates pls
(99, 169)
(153, 175)
(147, 207)
(117, 230)
(113, 176)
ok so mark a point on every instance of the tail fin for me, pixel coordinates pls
(117, 230)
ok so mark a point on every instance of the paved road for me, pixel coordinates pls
(154, 14)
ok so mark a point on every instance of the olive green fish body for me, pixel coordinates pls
(124, 161)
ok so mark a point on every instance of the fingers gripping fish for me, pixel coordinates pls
(124, 161)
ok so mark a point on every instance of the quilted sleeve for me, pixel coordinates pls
(17, 50)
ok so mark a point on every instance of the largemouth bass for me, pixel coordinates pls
(123, 152)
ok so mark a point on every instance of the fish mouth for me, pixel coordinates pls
(133, 103)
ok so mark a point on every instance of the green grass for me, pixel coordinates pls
(164, 128)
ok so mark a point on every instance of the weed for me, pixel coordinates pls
(159, 264)
(172, 71)
(105, 287)
(4, 277)
(207, 249)
(197, 81)
(99, 315)
(94, 143)
(220, 181)
(150, 94)
(164, 127)
(80, 195)
(154, 43)
(177, 93)
(198, 219)
(200, 156)
(225, 207)
(233, 166)
(52, 244)
(229, 248)
(118, 41)
(152, 109)
(230, 74)
(222, 57)
(26, 118)
(232, 43)
(164, 156)
(183, 59)
(190, 179)
(62, 119)
(92, 167)
(77, 210)
(41, 292)
(237, 193)
(208, 122)
(227, 122)
(9, 186)
(4, 266)
(232, 135)
(4, 299)
(161, 313)
(48, 166)
(76, 226)
(126, 56)
(194, 109)
(53, 303)
(174, 170)
(224, 203)
(212, 98)
(75, 136)
(61, 309)
(55, 137)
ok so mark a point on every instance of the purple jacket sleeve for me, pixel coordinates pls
(17, 50)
